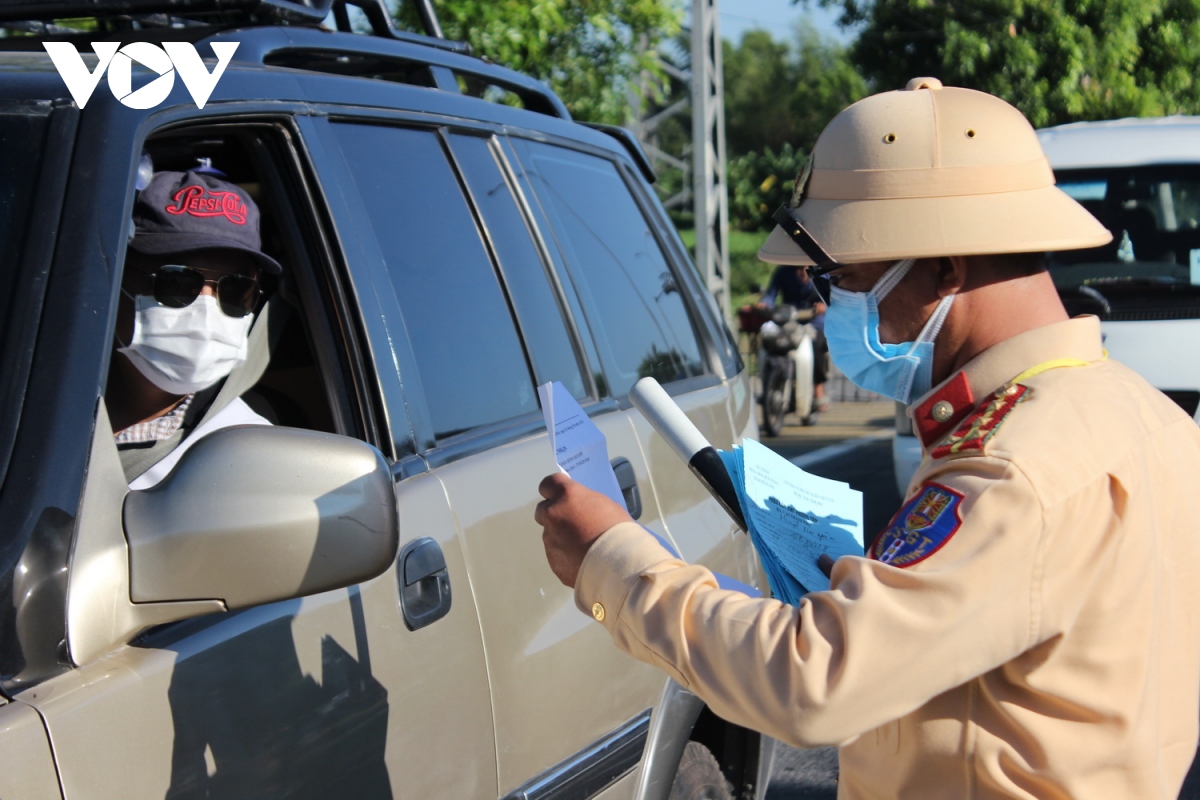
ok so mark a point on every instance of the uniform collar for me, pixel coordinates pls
(947, 404)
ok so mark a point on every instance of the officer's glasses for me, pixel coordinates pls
(177, 286)
(823, 262)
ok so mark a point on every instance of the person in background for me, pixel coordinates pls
(792, 285)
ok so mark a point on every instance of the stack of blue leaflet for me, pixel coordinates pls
(793, 518)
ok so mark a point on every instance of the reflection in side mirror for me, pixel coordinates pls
(257, 514)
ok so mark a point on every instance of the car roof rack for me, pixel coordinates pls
(41, 17)
(428, 60)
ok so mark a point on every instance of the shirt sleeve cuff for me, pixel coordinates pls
(613, 562)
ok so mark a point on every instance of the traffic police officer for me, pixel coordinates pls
(1028, 625)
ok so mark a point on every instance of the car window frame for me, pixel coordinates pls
(682, 269)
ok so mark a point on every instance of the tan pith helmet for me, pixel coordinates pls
(930, 171)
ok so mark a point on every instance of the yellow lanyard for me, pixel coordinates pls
(1053, 364)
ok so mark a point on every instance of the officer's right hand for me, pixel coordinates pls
(572, 517)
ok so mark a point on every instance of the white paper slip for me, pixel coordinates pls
(580, 449)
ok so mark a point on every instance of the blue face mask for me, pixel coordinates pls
(899, 371)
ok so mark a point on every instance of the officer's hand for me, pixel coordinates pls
(572, 517)
(825, 564)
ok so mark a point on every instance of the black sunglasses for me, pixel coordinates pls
(177, 286)
(823, 262)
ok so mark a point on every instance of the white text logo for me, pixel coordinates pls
(178, 57)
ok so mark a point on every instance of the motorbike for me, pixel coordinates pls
(785, 362)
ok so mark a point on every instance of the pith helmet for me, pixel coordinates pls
(930, 171)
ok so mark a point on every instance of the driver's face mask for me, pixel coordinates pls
(184, 350)
(899, 371)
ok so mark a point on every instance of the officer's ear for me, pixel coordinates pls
(951, 272)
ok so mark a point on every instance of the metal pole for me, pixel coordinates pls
(711, 204)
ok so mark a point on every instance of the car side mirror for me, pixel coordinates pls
(257, 514)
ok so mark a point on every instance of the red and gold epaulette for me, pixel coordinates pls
(978, 428)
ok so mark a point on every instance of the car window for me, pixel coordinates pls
(525, 275)
(632, 298)
(22, 133)
(470, 359)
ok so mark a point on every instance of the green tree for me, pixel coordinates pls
(1056, 60)
(778, 98)
(589, 51)
(780, 93)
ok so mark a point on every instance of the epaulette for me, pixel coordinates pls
(981, 425)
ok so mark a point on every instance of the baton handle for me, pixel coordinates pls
(688, 443)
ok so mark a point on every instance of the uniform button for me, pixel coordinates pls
(598, 612)
(942, 411)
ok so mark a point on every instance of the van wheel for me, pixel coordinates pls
(699, 776)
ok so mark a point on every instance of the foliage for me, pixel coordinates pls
(1056, 60)
(746, 271)
(778, 98)
(759, 183)
(784, 93)
(589, 51)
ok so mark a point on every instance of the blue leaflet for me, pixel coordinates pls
(793, 517)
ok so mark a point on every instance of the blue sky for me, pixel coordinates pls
(776, 16)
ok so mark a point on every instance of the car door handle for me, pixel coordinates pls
(424, 583)
(627, 480)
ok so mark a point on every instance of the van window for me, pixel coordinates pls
(630, 294)
(470, 359)
(1151, 268)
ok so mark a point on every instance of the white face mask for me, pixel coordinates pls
(184, 350)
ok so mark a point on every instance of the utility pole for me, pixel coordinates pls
(711, 202)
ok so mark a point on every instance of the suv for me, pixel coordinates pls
(354, 603)
(1141, 179)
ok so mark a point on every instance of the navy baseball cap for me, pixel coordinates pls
(181, 212)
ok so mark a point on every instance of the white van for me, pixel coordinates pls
(1141, 179)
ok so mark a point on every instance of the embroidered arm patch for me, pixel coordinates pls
(920, 528)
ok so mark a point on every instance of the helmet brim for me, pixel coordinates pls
(855, 231)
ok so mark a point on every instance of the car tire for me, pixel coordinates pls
(699, 776)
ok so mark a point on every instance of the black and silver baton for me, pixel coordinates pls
(686, 440)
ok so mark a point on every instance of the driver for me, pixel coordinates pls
(189, 290)
(1026, 625)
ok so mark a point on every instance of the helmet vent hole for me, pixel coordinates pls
(889, 138)
(970, 132)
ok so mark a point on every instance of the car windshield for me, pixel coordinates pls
(1151, 268)
(22, 134)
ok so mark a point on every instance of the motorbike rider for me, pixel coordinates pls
(794, 287)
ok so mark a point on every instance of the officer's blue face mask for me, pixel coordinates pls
(899, 371)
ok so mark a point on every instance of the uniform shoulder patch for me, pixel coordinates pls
(920, 528)
(977, 429)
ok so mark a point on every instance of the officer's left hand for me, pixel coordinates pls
(572, 517)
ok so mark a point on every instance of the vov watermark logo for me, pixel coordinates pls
(166, 61)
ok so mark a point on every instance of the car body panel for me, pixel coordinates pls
(24, 742)
(551, 667)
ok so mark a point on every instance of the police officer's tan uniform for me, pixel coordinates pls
(1028, 625)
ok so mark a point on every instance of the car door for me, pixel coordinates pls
(484, 324)
(322, 696)
(647, 318)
